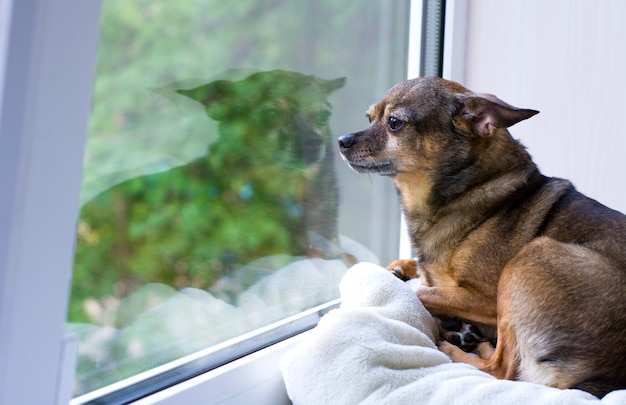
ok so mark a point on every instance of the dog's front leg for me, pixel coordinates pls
(458, 302)
(447, 300)
(404, 269)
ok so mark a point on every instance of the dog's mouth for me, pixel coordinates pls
(304, 151)
(362, 159)
(385, 168)
(311, 148)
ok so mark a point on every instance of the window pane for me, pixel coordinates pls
(214, 201)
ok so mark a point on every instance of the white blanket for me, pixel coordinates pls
(378, 348)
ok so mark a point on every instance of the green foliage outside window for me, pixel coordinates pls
(143, 134)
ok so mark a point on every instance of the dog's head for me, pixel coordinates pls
(418, 120)
(430, 132)
(274, 116)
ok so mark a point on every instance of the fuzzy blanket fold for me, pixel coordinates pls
(378, 348)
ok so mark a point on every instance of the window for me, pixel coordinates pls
(46, 53)
(214, 205)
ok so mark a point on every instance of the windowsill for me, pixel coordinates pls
(222, 373)
(255, 378)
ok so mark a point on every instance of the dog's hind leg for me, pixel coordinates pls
(544, 305)
(555, 326)
(564, 302)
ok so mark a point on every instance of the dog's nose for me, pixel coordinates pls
(346, 141)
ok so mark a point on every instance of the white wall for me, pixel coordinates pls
(565, 58)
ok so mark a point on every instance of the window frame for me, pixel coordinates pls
(48, 59)
(48, 50)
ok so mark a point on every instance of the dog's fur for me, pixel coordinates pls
(270, 171)
(525, 257)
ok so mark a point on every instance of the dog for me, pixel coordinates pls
(459, 333)
(265, 187)
(526, 258)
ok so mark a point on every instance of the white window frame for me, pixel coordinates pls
(48, 53)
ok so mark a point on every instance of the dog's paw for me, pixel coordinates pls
(460, 334)
(404, 269)
(449, 349)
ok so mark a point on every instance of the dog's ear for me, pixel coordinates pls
(331, 85)
(482, 114)
(209, 94)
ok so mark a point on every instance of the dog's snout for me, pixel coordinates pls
(346, 141)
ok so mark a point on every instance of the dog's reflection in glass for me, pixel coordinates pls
(266, 188)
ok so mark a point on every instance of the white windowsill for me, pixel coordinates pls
(255, 378)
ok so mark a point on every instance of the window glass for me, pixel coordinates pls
(214, 201)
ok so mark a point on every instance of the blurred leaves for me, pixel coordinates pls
(137, 129)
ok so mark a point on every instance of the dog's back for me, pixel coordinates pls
(564, 298)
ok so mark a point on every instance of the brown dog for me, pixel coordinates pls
(499, 244)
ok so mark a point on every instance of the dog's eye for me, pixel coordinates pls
(270, 115)
(395, 124)
(369, 118)
(322, 117)
(270, 112)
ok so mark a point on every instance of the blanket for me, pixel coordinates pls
(378, 348)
